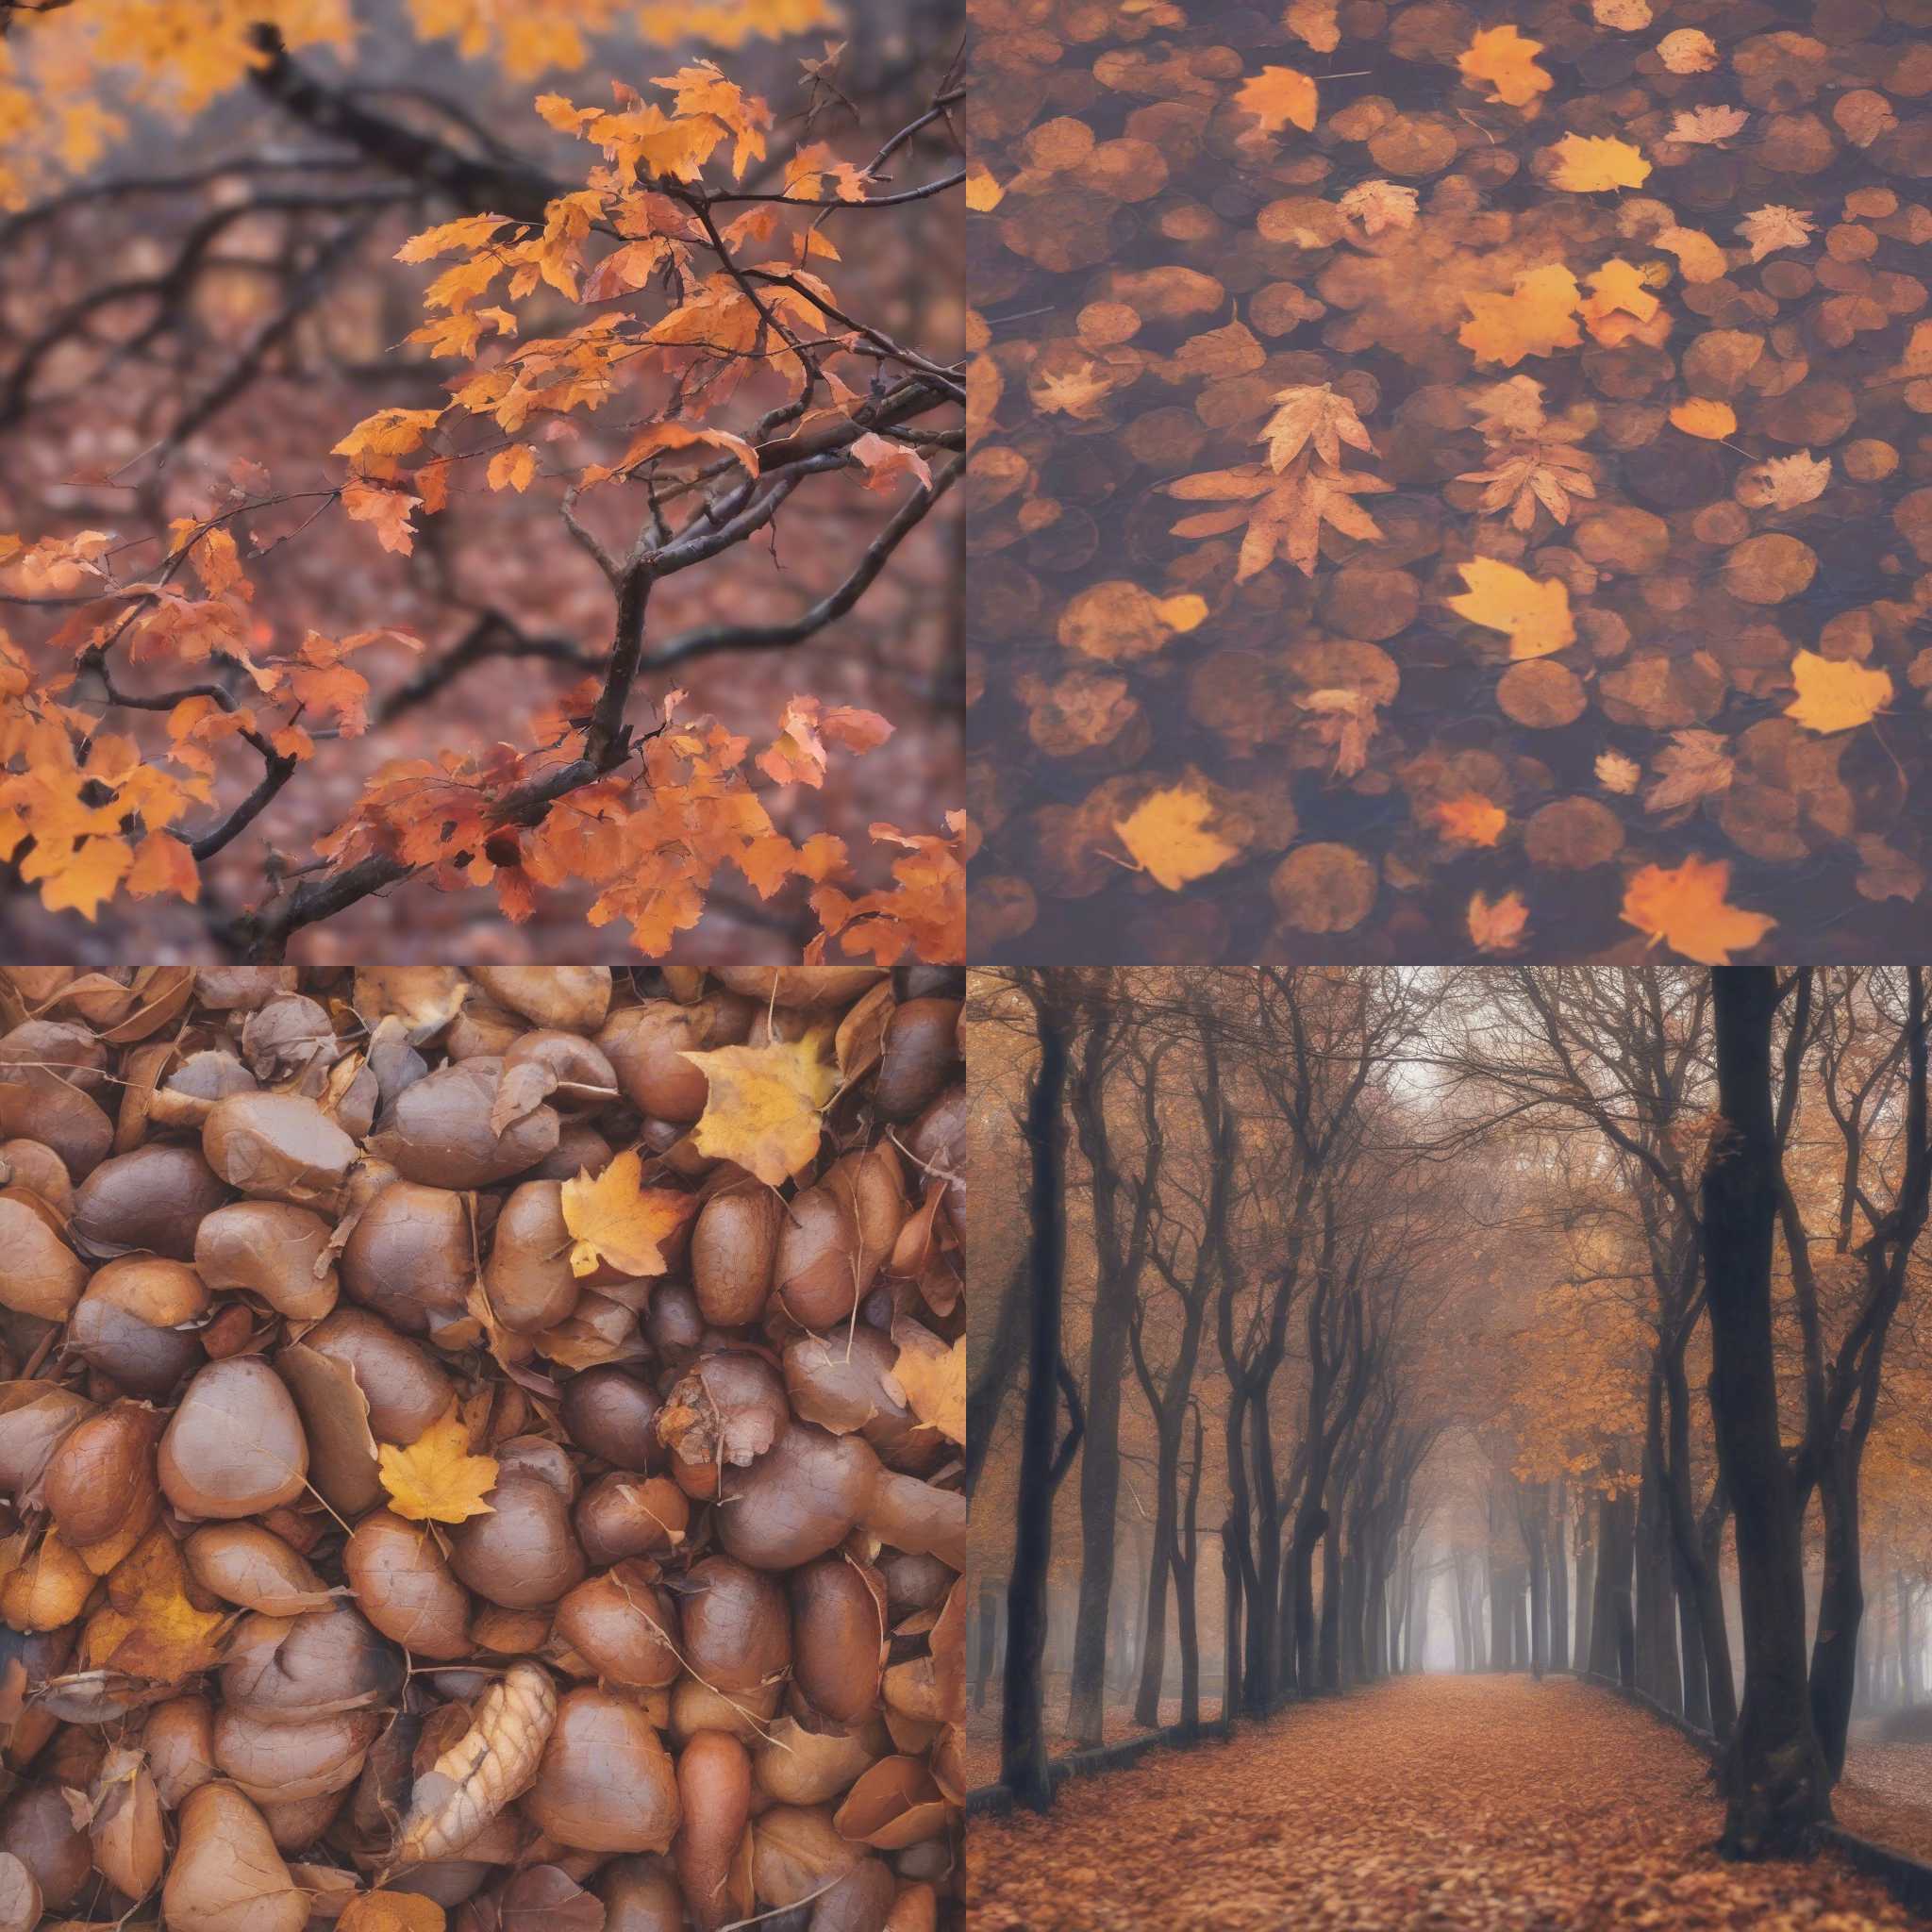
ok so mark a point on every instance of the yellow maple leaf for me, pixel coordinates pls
(1280, 98)
(1619, 301)
(1471, 819)
(1536, 316)
(436, 1479)
(617, 1219)
(1494, 926)
(1534, 614)
(1701, 416)
(1836, 694)
(1587, 162)
(763, 1108)
(933, 1377)
(77, 877)
(1167, 833)
(1501, 56)
(388, 433)
(148, 1626)
(1687, 909)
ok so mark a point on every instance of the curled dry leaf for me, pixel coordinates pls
(492, 1762)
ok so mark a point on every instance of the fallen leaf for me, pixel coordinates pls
(1770, 228)
(1536, 317)
(1312, 413)
(1496, 927)
(1836, 694)
(1688, 51)
(436, 1479)
(1534, 614)
(1615, 772)
(764, 1107)
(1587, 164)
(1686, 909)
(617, 1219)
(932, 1376)
(1694, 765)
(1471, 819)
(1379, 205)
(1501, 56)
(1701, 416)
(148, 1627)
(1280, 98)
(1785, 482)
(1167, 834)
(1705, 126)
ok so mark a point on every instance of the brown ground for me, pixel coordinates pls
(1435, 1804)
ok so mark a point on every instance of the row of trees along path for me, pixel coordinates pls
(1519, 1319)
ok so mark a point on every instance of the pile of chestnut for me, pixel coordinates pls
(696, 1661)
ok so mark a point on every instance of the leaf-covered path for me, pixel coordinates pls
(1424, 1804)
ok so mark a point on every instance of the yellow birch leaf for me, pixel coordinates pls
(1701, 416)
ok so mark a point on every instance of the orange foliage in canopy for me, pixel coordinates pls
(741, 376)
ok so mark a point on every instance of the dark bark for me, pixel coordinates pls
(1773, 1774)
(1022, 1733)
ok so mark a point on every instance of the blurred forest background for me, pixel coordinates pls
(211, 304)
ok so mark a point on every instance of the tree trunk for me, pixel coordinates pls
(1611, 1617)
(1329, 1662)
(1559, 1586)
(1154, 1652)
(1231, 1627)
(1539, 1585)
(1773, 1774)
(1585, 1586)
(1656, 1635)
(1023, 1732)
(1841, 1609)
(986, 1640)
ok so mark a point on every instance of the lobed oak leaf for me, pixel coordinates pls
(763, 1105)
(1532, 612)
(615, 1218)
(1686, 909)
(436, 1479)
(1836, 694)
(1280, 98)
(1167, 834)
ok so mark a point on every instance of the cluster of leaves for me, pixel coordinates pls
(72, 76)
(1565, 526)
(1494, 1798)
(401, 1367)
(697, 296)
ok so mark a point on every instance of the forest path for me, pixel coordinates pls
(1428, 1804)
